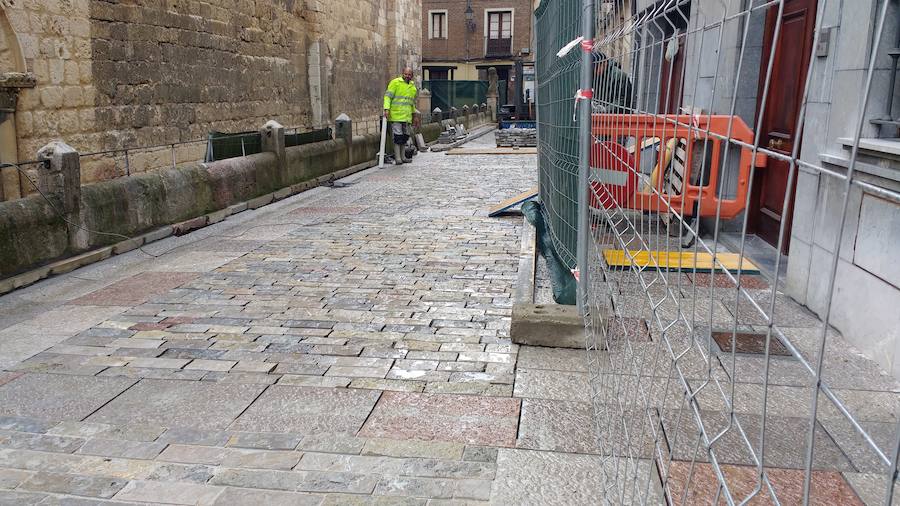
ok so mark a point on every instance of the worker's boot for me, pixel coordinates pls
(398, 154)
(406, 159)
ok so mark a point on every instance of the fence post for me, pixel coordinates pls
(59, 179)
(584, 156)
(424, 105)
(271, 137)
(343, 129)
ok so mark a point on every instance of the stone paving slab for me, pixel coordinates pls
(199, 405)
(58, 396)
(308, 410)
(466, 419)
(531, 477)
(136, 289)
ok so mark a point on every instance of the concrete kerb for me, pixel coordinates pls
(70, 264)
(550, 325)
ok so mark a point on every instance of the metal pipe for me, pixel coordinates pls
(584, 153)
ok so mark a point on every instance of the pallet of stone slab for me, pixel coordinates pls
(513, 201)
(493, 151)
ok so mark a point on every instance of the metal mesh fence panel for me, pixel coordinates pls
(709, 383)
(556, 23)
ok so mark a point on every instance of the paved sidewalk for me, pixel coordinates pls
(346, 346)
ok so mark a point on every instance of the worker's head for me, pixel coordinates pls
(407, 74)
(601, 61)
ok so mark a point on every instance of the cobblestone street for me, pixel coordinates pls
(348, 345)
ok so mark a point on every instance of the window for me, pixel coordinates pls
(437, 26)
(438, 75)
(499, 25)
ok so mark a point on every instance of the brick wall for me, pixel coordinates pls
(453, 48)
(126, 73)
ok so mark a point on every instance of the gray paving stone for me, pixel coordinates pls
(332, 443)
(90, 486)
(58, 397)
(122, 449)
(412, 448)
(191, 454)
(264, 441)
(25, 424)
(262, 459)
(232, 496)
(172, 493)
(557, 359)
(308, 410)
(193, 473)
(561, 426)
(178, 403)
(14, 498)
(531, 477)
(257, 478)
(190, 436)
(11, 478)
(415, 487)
(39, 442)
(545, 384)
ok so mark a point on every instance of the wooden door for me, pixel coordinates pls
(792, 52)
(672, 81)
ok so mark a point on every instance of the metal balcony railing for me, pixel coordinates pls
(497, 48)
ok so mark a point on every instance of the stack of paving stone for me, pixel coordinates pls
(516, 137)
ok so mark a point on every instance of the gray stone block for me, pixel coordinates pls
(547, 325)
(58, 397)
(197, 405)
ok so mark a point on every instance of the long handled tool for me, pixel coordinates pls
(383, 137)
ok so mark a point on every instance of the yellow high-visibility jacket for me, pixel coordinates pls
(400, 100)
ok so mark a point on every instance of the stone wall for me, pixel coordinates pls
(129, 73)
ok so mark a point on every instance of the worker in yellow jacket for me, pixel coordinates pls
(399, 109)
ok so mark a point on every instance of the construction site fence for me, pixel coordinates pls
(662, 133)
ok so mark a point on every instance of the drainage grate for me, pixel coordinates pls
(753, 343)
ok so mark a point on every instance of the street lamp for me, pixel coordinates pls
(470, 16)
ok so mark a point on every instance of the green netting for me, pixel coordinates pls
(447, 94)
(558, 22)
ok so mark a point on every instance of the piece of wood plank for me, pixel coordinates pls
(492, 151)
(678, 261)
(513, 201)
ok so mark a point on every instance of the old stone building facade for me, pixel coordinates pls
(107, 75)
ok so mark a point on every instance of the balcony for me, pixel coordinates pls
(497, 48)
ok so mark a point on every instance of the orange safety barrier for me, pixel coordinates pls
(631, 190)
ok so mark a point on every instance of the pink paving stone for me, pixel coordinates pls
(136, 289)
(826, 487)
(468, 419)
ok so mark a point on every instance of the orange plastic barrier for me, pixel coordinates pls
(625, 187)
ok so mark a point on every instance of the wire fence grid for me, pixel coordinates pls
(709, 385)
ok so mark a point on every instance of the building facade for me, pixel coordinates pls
(113, 75)
(462, 39)
(723, 68)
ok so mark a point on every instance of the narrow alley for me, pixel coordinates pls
(348, 345)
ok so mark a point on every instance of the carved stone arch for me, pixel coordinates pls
(13, 77)
(11, 57)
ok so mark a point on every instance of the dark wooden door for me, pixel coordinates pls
(793, 44)
(672, 81)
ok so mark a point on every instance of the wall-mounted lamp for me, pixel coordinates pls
(470, 16)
